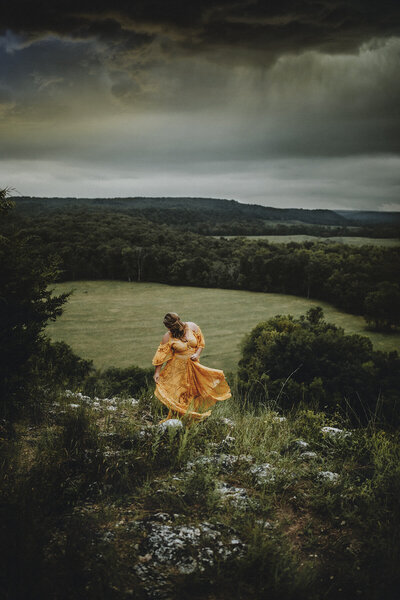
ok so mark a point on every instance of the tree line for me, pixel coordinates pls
(213, 216)
(107, 245)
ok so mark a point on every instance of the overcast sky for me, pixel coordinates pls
(293, 103)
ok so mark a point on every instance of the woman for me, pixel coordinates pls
(184, 385)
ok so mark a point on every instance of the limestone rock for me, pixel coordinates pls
(329, 476)
(237, 495)
(299, 444)
(185, 548)
(225, 463)
(308, 454)
(171, 423)
(263, 473)
(335, 432)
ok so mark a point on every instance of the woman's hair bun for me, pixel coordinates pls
(173, 322)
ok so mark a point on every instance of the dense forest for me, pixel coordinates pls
(213, 216)
(106, 244)
(221, 209)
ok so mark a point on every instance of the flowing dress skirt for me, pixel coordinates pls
(189, 388)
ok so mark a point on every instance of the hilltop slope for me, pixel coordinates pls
(221, 209)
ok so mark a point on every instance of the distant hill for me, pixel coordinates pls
(370, 217)
(222, 209)
(218, 216)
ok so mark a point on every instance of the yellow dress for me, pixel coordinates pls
(186, 386)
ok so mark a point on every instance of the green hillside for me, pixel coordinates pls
(220, 208)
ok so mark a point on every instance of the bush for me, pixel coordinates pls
(309, 362)
(113, 381)
(58, 366)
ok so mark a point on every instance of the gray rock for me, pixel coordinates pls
(329, 476)
(278, 419)
(132, 401)
(109, 401)
(307, 455)
(162, 517)
(185, 548)
(108, 536)
(227, 421)
(265, 524)
(299, 444)
(171, 423)
(263, 473)
(335, 432)
(226, 444)
(224, 462)
(237, 495)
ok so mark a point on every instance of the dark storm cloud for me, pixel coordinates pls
(300, 98)
(289, 25)
(179, 53)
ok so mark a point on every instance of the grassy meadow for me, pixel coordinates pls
(353, 240)
(119, 324)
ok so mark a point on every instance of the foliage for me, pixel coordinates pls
(114, 381)
(26, 306)
(382, 306)
(214, 216)
(5, 202)
(200, 487)
(312, 362)
(59, 366)
(126, 245)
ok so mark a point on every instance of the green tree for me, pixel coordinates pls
(315, 314)
(26, 306)
(382, 306)
(308, 360)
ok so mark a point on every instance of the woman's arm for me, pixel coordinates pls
(157, 373)
(158, 367)
(196, 355)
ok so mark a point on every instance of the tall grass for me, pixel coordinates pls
(73, 487)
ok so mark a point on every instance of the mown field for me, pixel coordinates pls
(356, 241)
(119, 324)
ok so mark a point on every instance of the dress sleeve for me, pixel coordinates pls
(199, 337)
(163, 354)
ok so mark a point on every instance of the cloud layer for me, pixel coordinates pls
(212, 98)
